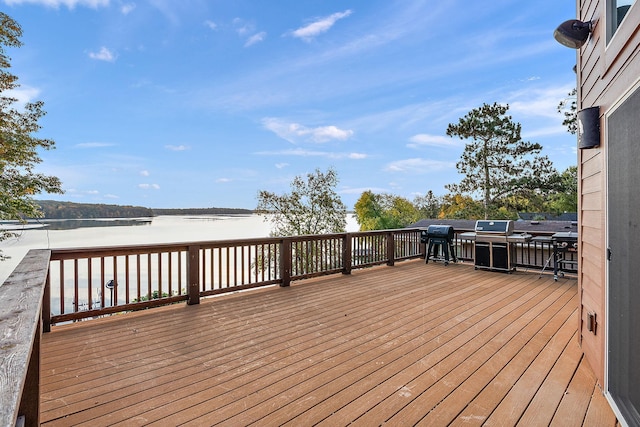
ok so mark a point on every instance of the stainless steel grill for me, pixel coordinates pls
(494, 244)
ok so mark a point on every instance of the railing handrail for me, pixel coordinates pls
(21, 300)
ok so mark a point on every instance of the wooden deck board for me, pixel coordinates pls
(409, 344)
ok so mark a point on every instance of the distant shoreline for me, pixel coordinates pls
(69, 210)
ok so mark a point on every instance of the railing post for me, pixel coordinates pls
(46, 304)
(346, 253)
(391, 249)
(285, 262)
(30, 402)
(193, 275)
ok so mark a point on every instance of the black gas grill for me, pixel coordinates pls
(439, 236)
(494, 244)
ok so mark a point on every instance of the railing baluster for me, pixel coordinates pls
(138, 278)
(89, 283)
(61, 286)
(127, 271)
(102, 302)
(76, 288)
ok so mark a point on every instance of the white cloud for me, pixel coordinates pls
(542, 102)
(23, 94)
(418, 166)
(57, 3)
(144, 173)
(111, 196)
(212, 25)
(295, 132)
(432, 141)
(223, 180)
(300, 152)
(243, 28)
(149, 186)
(361, 190)
(94, 145)
(127, 8)
(177, 147)
(319, 26)
(256, 38)
(282, 165)
(104, 54)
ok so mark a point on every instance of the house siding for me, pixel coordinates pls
(604, 75)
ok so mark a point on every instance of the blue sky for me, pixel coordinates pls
(199, 103)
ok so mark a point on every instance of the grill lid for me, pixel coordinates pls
(496, 226)
(441, 231)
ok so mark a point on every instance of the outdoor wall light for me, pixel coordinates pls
(589, 127)
(573, 33)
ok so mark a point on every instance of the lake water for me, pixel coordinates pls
(162, 229)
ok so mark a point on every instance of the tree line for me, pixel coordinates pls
(68, 210)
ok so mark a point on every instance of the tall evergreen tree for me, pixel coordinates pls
(496, 162)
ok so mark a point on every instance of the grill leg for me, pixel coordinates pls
(453, 252)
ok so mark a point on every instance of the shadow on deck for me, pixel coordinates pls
(413, 344)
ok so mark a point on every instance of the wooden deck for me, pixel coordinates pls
(413, 344)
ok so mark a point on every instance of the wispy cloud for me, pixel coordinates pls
(423, 139)
(212, 25)
(295, 132)
(282, 165)
(319, 26)
(144, 173)
(361, 190)
(541, 101)
(177, 147)
(223, 180)
(127, 8)
(23, 94)
(94, 145)
(57, 3)
(149, 186)
(418, 166)
(256, 38)
(242, 27)
(104, 54)
(300, 152)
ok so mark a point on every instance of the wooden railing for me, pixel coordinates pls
(62, 285)
(21, 300)
(91, 282)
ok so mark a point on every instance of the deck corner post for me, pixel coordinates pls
(285, 262)
(346, 253)
(193, 270)
(391, 249)
(29, 407)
